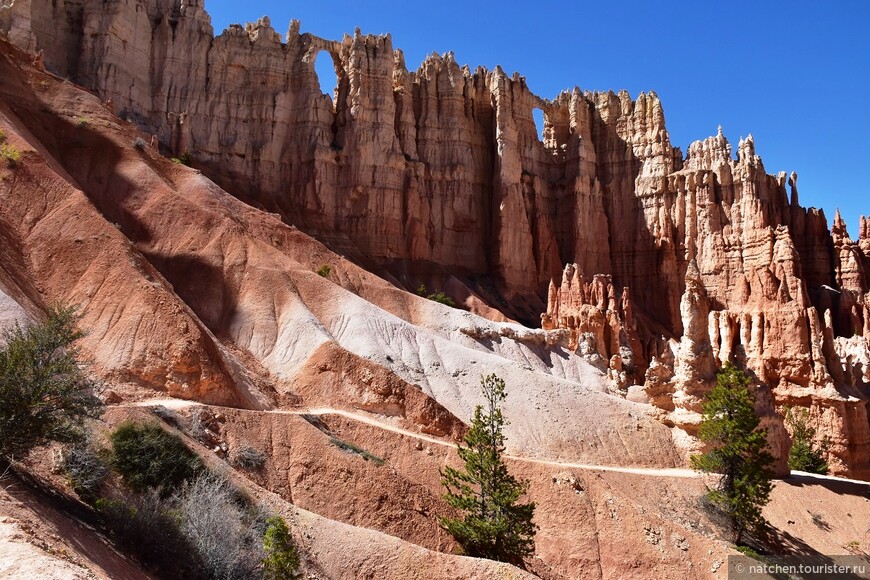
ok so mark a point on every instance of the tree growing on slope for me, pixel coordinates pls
(805, 454)
(281, 561)
(494, 525)
(44, 392)
(738, 453)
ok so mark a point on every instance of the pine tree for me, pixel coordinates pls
(805, 454)
(494, 525)
(44, 393)
(281, 561)
(738, 452)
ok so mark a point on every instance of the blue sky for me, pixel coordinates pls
(796, 75)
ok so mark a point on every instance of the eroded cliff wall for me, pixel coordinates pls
(677, 264)
(441, 165)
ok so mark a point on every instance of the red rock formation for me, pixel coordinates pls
(442, 166)
(749, 302)
(600, 324)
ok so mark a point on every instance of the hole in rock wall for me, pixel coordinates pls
(538, 116)
(324, 67)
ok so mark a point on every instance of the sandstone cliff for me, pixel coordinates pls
(678, 264)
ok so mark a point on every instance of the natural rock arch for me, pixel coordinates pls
(326, 66)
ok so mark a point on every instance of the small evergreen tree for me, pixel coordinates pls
(738, 452)
(805, 454)
(494, 525)
(281, 561)
(44, 394)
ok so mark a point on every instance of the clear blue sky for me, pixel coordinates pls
(796, 75)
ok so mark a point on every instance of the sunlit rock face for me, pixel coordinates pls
(675, 264)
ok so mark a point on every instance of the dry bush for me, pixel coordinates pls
(248, 458)
(224, 530)
(86, 468)
(145, 525)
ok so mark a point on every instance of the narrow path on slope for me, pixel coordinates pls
(182, 404)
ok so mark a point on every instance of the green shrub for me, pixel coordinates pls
(10, 153)
(45, 394)
(324, 271)
(439, 296)
(747, 551)
(442, 298)
(281, 561)
(350, 447)
(183, 159)
(149, 457)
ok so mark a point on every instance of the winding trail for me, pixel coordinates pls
(368, 420)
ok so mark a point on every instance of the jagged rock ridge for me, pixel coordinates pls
(443, 167)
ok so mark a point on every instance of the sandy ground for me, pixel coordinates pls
(39, 538)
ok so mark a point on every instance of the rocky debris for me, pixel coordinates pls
(206, 427)
(568, 480)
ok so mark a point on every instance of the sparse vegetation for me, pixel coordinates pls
(196, 525)
(184, 159)
(86, 468)
(805, 454)
(167, 509)
(324, 271)
(9, 152)
(747, 551)
(149, 457)
(145, 525)
(248, 458)
(439, 296)
(281, 561)
(167, 415)
(45, 393)
(738, 453)
(350, 447)
(223, 530)
(493, 525)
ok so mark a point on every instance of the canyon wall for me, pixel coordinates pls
(676, 264)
